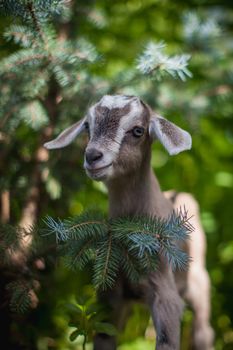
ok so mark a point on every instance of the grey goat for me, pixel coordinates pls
(121, 131)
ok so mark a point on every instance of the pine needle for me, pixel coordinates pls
(133, 244)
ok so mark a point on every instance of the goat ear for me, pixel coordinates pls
(173, 138)
(67, 136)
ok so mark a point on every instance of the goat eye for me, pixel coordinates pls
(138, 131)
(86, 125)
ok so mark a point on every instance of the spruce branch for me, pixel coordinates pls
(179, 225)
(9, 242)
(154, 62)
(31, 10)
(107, 263)
(22, 272)
(24, 8)
(20, 34)
(78, 254)
(34, 114)
(88, 224)
(43, 58)
(177, 259)
(200, 32)
(144, 244)
(20, 291)
(130, 265)
(131, 244)
(25, 57)
(55, 227)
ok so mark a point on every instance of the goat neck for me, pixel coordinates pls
(137, 193)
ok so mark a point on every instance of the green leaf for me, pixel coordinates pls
(75, 334)
(83, 299)
(73, 308)
(104, 327)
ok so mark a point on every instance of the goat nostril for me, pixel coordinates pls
(92, 155)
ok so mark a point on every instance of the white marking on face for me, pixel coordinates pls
(111, 150)
(91, 119)
(115, 101)
(128, 121)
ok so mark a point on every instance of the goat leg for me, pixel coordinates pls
(166, 309)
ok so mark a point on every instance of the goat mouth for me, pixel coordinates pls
(96, 170)
(98, 174)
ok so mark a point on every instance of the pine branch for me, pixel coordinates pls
(9, 242)
(25, 57)
(130, 245)
(200, 32)
(179, 225)
(20, 296)
(144, 244)
(177, 259)
(130, 265)
(56, 228)
(26, 73)
(31, 10)
(77, 254)
(133, 244)
(34, 114)
(107, 263)
(154, 62)
(87, 224)
(20, 34)
(20, 267)
(24, 8)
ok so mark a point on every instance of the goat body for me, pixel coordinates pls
(121, 130)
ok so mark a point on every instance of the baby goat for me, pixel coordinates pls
(121, 130)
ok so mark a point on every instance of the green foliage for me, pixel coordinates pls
(88, 318)
(9, 242)
(203, 105)
(21, 273)
(154, 62)
(131, 244)
(20, 300)
(201, 31)
(28, 8)
(34, 114)
(41, 57)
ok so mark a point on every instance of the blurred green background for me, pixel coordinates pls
(33, 185)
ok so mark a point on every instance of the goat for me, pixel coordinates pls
(121, 130)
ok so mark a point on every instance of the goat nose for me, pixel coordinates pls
(92, 155)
